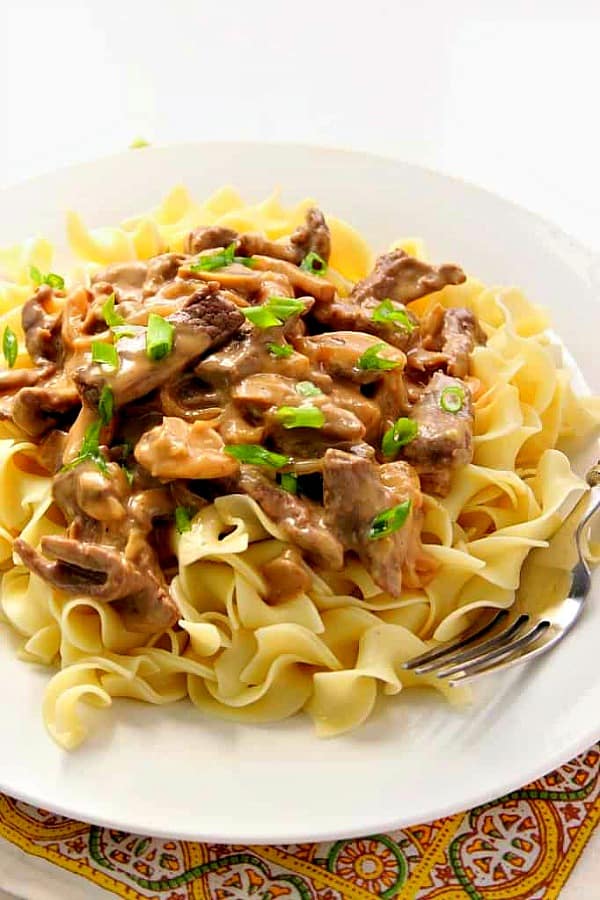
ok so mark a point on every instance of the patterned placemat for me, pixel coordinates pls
(522, 846)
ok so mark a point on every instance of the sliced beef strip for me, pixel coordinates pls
(444, 441)
(50, 451)
(301, 521)
(446, 339)
(251, 244)
(354, 493)
(313, 237)
(98, 571)
(106, 553)
(14, 379)
(161, 270)
(460, 333)
(37, 409)
(136, 280)
(208, 320)
(344, 314)
(126, 279)
(41, 327)
(397, 277)
(209, 237)
(403, 278)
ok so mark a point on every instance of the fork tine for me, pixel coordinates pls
(476, 651)
(488, 661)
(546, 641)
(433, 656)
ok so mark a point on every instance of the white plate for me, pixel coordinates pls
(171, 771)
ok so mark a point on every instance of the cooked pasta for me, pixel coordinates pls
(234, 642)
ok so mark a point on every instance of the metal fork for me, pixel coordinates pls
(513, 637)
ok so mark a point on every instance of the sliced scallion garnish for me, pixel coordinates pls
(389, 521)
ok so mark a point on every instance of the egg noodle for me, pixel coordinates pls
(330, 651)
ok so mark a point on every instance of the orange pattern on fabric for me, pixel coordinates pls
(520, 847)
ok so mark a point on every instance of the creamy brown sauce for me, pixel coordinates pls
(320, 387)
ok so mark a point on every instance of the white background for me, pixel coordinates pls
(506, 94)
(503, 92)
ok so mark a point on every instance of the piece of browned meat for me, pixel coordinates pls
(135, 280)
(312, 237)
(255, 244)
(208, 320)
(397, 277)
(106, 553)
(354, 493)
(42, 327)
(95, 570)
(403, 278)
(14, 379)
(460, 333)
(209, 237)
(300, 520)
(445, 340)
(444, 441)
(37, 409)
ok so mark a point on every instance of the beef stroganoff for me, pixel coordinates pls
(244, 462)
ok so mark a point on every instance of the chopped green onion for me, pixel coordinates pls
(109, 315)
(314, 264)
(281, 350)
(386, 313)
(284, 307)
(55, 281)
(273, 312)
(51, 279)
(372, 362)
(308, 389)
(452, 399)
(10, 346)
(106, 405)
(183, 519)
(300, 417)
(212, 261)
(159, 337)
(389, 520)
(289, 482)
(244, 261)
(261, 316)
(90, 449)
(402, 432)
(256, 455)
(121, 331)
(105, 354)
(91, 439)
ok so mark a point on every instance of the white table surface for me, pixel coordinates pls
(502, 92)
